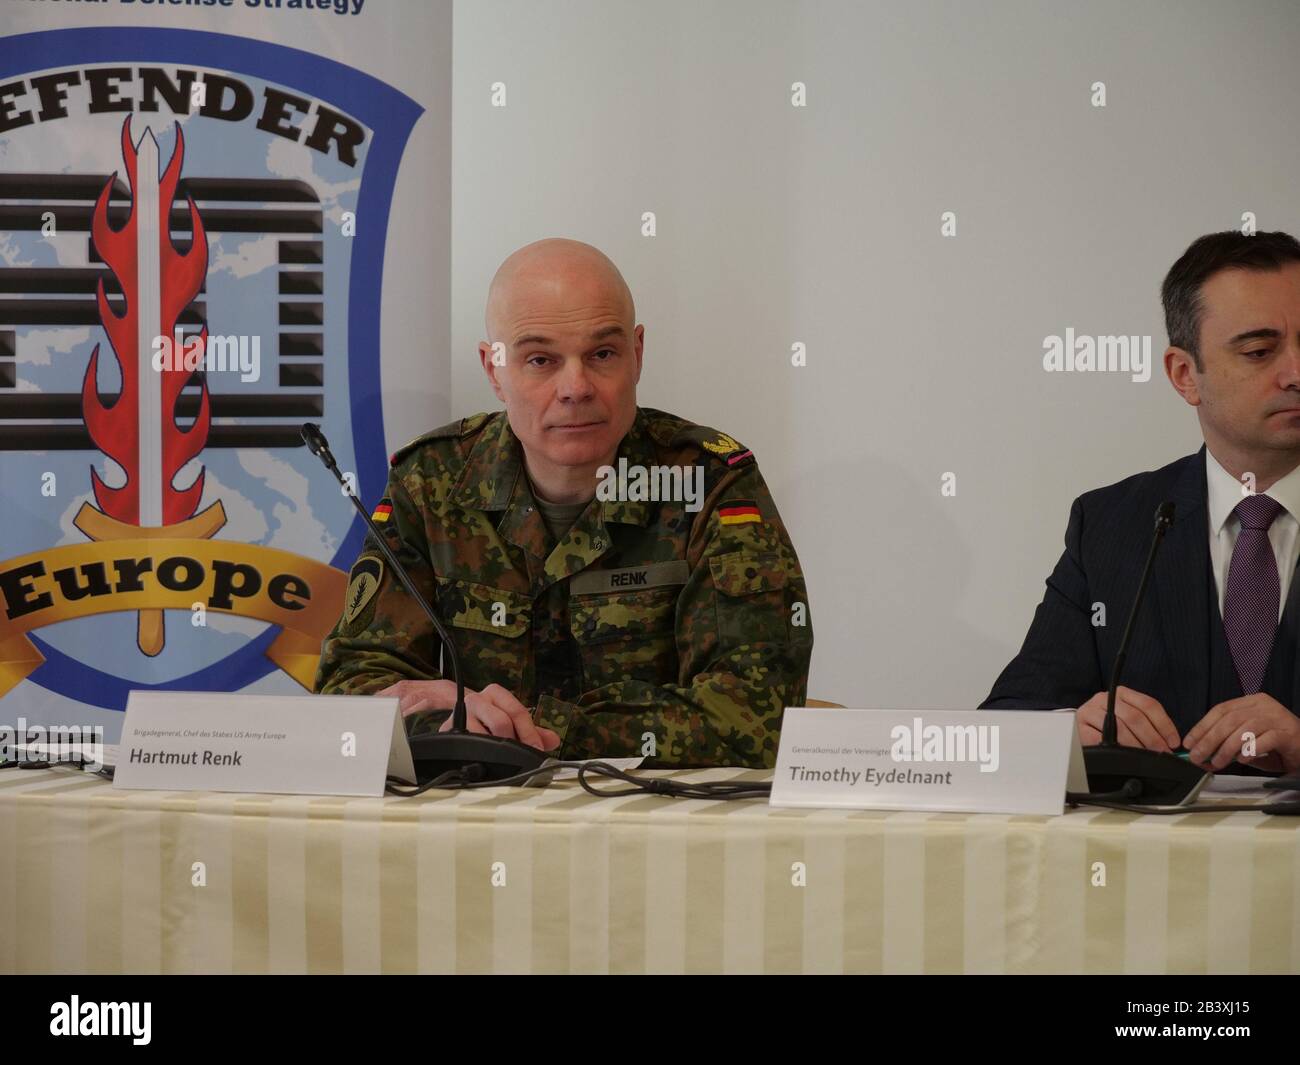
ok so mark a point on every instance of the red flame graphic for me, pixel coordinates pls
(115, 428)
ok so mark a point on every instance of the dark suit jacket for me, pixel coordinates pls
(1066, 660)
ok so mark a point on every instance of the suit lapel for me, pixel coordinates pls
(1181, 586)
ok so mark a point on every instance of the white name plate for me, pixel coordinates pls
(283, 744)
(977, 761)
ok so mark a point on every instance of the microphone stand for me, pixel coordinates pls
(1134, 774)
(472, 755)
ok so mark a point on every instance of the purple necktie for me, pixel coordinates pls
(1254, 592)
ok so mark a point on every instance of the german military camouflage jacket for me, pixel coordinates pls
(655, 627)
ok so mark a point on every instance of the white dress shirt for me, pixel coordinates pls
(1223, 492)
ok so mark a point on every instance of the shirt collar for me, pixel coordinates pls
(1223, 492)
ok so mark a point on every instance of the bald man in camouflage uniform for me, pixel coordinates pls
(587, 626)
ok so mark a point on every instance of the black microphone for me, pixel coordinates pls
(1152, 777)
(457, 749)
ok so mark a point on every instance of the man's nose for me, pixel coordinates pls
(1289, 366)
(574, 382)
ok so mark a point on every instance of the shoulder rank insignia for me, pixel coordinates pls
(731, 449)
(739, 512)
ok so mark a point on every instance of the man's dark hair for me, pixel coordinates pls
(1207, 255)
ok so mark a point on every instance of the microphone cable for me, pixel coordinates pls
(471, 776)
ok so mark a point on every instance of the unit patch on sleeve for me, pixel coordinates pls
(363, 583)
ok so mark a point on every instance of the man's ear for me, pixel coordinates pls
(493, 357)
(638, 347)
(1181, 370)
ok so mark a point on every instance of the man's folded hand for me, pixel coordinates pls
(493, 711)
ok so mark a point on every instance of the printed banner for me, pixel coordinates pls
(192, 246)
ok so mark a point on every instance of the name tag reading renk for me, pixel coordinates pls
(976, 761)
(282, 744)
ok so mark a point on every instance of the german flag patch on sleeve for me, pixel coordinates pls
(739, 512)
(382, 512)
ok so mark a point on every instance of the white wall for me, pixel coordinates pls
(821, 225)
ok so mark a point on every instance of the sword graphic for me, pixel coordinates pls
(148, 286)
(139, 430)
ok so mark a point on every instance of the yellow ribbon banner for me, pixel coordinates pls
(299, 594)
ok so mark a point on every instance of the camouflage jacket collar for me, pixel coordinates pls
(493, 477)
(494, 466)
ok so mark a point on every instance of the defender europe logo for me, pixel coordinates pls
(178, 244)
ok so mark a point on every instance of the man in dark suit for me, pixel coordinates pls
(1213, 665)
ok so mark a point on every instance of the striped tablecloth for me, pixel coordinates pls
(93, 879)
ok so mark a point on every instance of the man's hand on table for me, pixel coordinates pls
(493, 710)
(1140, 721)
(1220, 736)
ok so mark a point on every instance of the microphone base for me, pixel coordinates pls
(1166, 779)
(497, 758)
